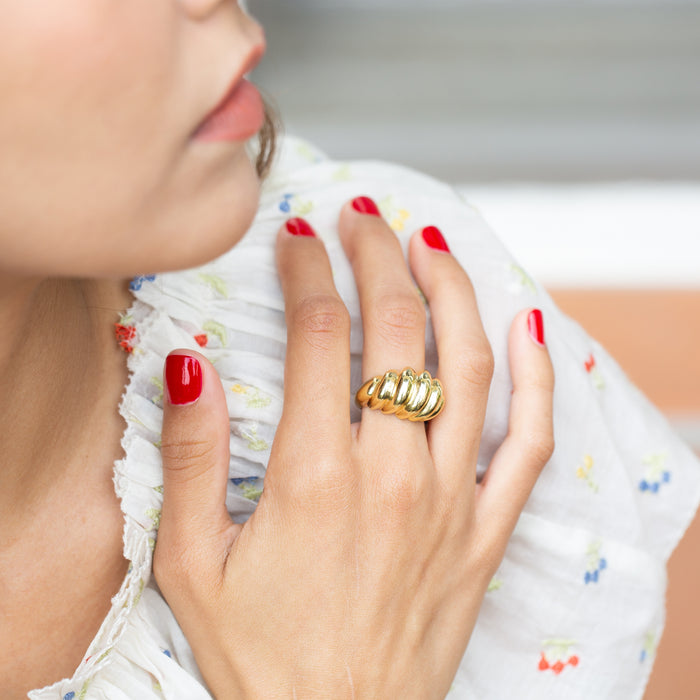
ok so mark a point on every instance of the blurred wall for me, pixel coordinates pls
(510, 89)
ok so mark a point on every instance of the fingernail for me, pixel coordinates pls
(183, 376)
(435, 239)
(535, 326)
(299, 227)
(365, 205)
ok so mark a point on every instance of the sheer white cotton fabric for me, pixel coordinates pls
(577, 606)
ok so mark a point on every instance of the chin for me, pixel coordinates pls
(205, 230)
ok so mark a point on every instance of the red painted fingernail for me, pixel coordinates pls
(365, 205)
(299, 227)
(535, 325)
(435, 239)
(183, 375)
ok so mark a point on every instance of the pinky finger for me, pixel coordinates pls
(517, 464)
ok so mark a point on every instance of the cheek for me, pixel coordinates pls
(97, 176)
(89, 127)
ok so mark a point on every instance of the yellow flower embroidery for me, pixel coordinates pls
(217, 330)
(396, 216)
(584, 473)
(399, 222)
(523, 279)
(306, 152)
(158, 384)
(254, 442)
(216, 283)
(495, 585)
(342, 174)
(649, 648)
(254, 398)
(154, 515)
(252, 493)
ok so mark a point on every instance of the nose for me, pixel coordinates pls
(200, 9)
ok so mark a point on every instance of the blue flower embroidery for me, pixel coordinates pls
(656, 474)
(649, 648)
(592, 576)
(137, 282)
(596, 563)
(245, 480)
(285, 205)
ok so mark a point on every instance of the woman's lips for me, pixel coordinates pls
(238, 117)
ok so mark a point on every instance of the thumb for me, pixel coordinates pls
(195, 452)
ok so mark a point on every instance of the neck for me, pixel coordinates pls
(61, 380)
(62, 374)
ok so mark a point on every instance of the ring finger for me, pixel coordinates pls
(393, 314)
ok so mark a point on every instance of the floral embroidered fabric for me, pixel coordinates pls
(577, 606)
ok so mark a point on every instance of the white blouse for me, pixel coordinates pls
(577, 607)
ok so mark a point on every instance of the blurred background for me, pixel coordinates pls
(488, 90)
(574, 126)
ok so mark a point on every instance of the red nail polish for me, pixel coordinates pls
(299, 227)
(535, 326)
(435, 239)
(183, 375)
(365, 205)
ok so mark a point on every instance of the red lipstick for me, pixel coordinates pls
(240, 113)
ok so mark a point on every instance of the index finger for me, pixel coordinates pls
(317, 366)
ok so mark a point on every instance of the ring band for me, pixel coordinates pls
(407, 395)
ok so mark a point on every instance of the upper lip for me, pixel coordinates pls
(251, 61)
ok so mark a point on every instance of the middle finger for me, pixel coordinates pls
(393, 314)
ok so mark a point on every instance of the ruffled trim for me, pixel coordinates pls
(136, 479)
(148, 333)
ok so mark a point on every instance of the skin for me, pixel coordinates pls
(100, 180)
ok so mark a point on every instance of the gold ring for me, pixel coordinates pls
(407, 395)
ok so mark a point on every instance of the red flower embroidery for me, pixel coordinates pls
(590, 363)
(554, 658)
(125, 334)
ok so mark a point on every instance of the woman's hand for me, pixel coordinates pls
(362, 570)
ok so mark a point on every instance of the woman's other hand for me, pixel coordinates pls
(362, 570)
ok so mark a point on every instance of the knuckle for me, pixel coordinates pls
(187, 457)
(397, 318)
(484, 559)
(323, 485)
(454, 280)
(476, 366)
(323, 319)
(399, 492)
(541, 383)
(537, 447)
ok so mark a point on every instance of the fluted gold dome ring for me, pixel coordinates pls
(407, 395)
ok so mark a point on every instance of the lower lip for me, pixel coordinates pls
(238, 118)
